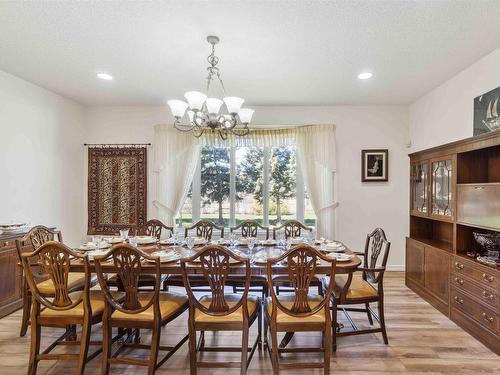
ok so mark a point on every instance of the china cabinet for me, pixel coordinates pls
(454, 193)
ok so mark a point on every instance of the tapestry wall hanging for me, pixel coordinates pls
(117, 189)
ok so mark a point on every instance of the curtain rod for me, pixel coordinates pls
(115, 144)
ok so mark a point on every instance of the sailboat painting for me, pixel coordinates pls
(486, 112)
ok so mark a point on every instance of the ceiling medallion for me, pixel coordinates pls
(206, 113)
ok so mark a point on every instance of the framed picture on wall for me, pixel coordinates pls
(374, 165)
(487, 112)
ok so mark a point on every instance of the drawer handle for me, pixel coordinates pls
(459, 266)
(487, 295)
(459, 300)
(488, 278)
(489, 319)
(459, 281)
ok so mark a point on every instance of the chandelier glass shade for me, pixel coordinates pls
(199, 113)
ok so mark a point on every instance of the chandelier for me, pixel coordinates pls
(207, 114)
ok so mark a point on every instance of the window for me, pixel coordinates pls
(247, 183)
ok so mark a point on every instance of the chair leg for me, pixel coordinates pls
(277, 290)
(192, 351)
(370, 319)
(259, 326)
(35, 346)
(155, 347)
(334, 326)
(382, 320)
(106, 345)
(235, 289)
(244, 351)
(327, 346)
(165, 286)
(274, 352)
(26, 311)
(84, 347)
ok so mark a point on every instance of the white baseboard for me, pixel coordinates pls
(395, 268)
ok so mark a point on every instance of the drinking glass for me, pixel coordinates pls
(96, 240)
(124, 234)
(281, 239)
(232, 239)
(133, 241)
(251, 244)
(190, 242)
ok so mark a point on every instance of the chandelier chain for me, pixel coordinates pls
(214, 70)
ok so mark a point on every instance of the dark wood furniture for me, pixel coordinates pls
(36, 237)
(291, 228)
(300, 311)
(363, 289)
(204, 229)
(138, 309)
(11, 274)
(453, 193)
(250, 228)
(219, 311)
(62, 308)
(154, 228)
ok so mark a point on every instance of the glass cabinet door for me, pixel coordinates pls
(441, 187)
(419, 181)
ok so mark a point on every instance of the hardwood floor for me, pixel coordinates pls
(421, 340)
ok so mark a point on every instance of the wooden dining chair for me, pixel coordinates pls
(258, 283)
(204, 229)
(154, 228)
(219, 311)
(300, 311)
(250, 228)
(36, 237)
(138, 309)
(291, 229)
(362, 288)
(62, 308)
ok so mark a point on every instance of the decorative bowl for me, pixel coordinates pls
(488, 241)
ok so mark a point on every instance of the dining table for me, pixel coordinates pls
(256, 268)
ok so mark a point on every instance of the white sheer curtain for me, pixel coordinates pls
(316, 151)
(175, 157)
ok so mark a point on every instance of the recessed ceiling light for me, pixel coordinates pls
(104, 76)
(365, 75)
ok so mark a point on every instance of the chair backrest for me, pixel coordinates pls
(154, 228)
(127, 261)
(301, 265)
(376, 252)
(216, 267)
(292, 228)
(205, 229)
(250, 228)
(36, 237)
(54, 258)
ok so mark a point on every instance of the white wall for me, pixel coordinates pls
(41, 159)
(446, 113)
(363, 206)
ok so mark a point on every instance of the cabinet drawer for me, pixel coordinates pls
(488, 296)
(483, 275)
(485, 316)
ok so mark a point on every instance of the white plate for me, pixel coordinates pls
(199, 241)
(165, 256)
(145, 240)
(91, 254)
(169, 241)
(341, 257)
(333, 249)
(114, 240)
(90, 246)
(295, 240)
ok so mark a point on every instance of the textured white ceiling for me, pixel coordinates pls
(272, 52)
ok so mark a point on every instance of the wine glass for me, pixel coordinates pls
(133, 241)
(281, 239)
(190, 242)
(232, 239)
(251, 244)
(124, 234)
